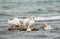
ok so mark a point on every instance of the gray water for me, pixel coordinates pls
(22, 8)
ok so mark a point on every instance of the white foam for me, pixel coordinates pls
(47, 18)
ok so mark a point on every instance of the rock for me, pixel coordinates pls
(23, 28)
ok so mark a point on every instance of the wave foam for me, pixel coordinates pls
(47, 18)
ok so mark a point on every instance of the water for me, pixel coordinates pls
(43, 10)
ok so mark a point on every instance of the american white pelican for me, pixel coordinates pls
(27, 20)
(14, 21)
(31, 22)
(45, 26)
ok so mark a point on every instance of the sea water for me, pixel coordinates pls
(43, 10)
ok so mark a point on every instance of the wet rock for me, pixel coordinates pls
(23, 28)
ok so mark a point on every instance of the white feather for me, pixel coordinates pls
(15, 21)
(26, 21)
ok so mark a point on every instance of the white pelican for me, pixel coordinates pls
(27, 20)
(45, 26)
(31, 22)
(14, 21)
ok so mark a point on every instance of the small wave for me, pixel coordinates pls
(47, 18)
(5, 14)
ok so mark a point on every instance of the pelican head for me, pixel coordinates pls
(31, 17)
